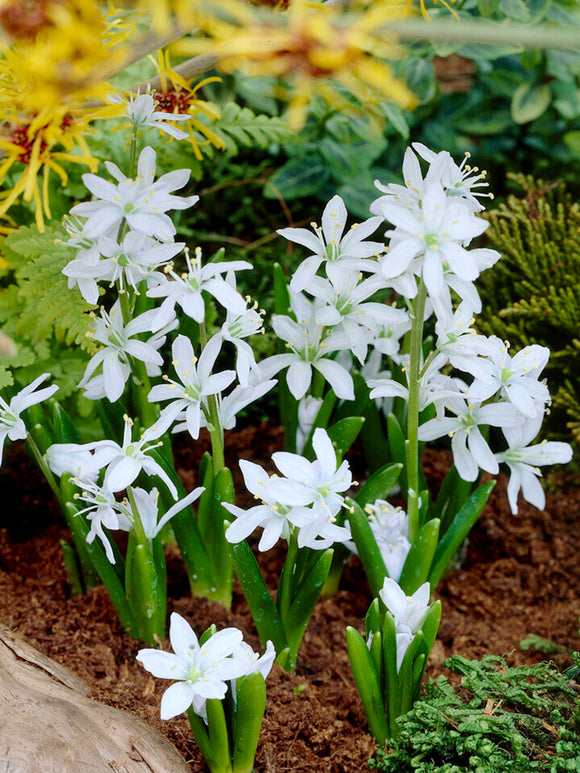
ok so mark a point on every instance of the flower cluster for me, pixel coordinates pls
(429, 260)
(307, 499)
(203, 670)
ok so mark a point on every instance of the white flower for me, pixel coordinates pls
(516, 378)
(119, 343)
(11, 424)
(141, 202)
(124, 463)
(229, 406)
(317, 483)
(252, 662)
(73, 458)
(354, 319)
(142, 114)
(187, 289)
(102, 510)
(202, 670)
(458, 180)
(470, 449)
(459, 342)
(523, 461)
(147, 506)
(235, 329)
(390, 528)
(196, 380)
(309, 350)
(436, 235)
(412, 192)
(308, 502)
(328, 245)
(409, 613)
(308, 409)
(271, 516)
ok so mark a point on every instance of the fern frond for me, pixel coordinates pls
(241, 126)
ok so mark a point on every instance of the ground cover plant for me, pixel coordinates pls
(142, 336)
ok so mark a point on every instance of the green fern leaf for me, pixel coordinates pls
(241, 126)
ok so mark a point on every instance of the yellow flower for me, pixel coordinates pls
(443, 2)
(313, 47)
(176, 95)
(31, 151)
(49, 74)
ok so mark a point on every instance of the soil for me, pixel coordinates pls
(521, 575)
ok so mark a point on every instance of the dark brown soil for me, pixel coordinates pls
(521, 575)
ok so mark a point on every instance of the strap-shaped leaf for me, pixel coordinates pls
(396, 441)
(373, 621)
(391, 690)
(63, 427)
(379, 484)
(458, 531)
(146, 594)
(305, 600)
(251, 703)
(411, 672)
(201, 736)
(431, 624)
(420, 557)
(264, 611)
(217, 727)
(185, 528)
(344, 433)
(366, 544)
(368, 685)
(453, 494)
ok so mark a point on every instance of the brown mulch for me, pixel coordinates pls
(521, 575)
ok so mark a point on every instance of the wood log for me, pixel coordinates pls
(48, 724)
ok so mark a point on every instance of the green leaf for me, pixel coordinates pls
(530, 102)
(299, 177)
(396, 441)
(344, 433)
(366, 544)
(264, 611)
(305, 600)
(379, 484)
(458, 531)
(241, 126)
(420, 557)
(251, 703)
(146, 593)
(515, 9)
(572, 140)
(452, 496)
(368, 685)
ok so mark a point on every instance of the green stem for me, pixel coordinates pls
(412, 445)
(213, 421)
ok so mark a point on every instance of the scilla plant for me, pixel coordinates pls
(221, 685)
(450, 382)
(123, 252)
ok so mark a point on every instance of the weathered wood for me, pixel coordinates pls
(48, 724)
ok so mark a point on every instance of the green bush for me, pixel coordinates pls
(513, 720)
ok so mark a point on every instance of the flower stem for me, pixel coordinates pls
(412, 445)
(213, 422)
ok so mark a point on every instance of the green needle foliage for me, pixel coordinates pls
(533, 293)
(513, 720)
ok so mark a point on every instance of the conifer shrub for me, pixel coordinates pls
(533, 293)
(513, 720)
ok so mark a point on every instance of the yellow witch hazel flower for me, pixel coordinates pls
(313, 47)
(176, 95)
(54, 58)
